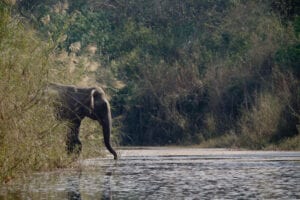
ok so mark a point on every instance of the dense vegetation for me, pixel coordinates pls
(27, 140)
(219, 73)
(30, 137)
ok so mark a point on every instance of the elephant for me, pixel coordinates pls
(75, 103)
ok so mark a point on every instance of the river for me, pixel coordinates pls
(169, 173)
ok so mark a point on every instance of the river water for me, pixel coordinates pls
(169, 173)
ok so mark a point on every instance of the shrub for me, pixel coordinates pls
(259, 124)
(30, 137)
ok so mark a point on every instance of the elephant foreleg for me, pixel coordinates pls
(73, 143)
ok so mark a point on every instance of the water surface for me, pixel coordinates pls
(169, 173)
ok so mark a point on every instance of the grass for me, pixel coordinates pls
(292, 143)
(259, 124)
(230, 140)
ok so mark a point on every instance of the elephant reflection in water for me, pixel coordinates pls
(74, 104)
(104, 187)
(73, 192)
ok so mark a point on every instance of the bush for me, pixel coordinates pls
(30, 136)
(259, 124)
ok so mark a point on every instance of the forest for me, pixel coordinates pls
(196, 72)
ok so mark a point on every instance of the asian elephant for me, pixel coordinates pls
(75, 103)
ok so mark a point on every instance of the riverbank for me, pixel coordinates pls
(239, 142)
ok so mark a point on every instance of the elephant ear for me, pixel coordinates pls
(92, 105)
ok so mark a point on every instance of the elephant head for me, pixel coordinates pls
(100, 111)
(76, 103)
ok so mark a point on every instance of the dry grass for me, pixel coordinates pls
(292, 143)
(229, 140)
(259, 124)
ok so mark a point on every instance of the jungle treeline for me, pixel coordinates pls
(220, 73)
(196, 72)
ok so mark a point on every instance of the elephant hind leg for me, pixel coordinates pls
(73, 144)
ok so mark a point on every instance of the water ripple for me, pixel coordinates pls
(170, 173)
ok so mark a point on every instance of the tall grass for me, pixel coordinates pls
(260, 124)
(30, 138)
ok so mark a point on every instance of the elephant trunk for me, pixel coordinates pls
(107, 124)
